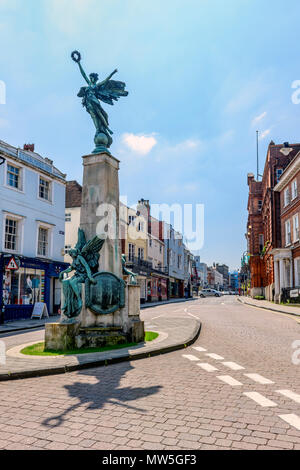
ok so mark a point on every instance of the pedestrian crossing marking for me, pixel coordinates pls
(190, 357)
(215, 356)
(230, 380)
(198, 348)
(291, 419)
(207, 367)
(289, 394)
(259, 379)
(260, 399)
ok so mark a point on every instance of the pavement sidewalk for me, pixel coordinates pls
(174, 333)
(29, 324)
(265, 304)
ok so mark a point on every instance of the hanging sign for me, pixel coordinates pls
(12, 265)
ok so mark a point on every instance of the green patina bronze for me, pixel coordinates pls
(104, 291)
(106, 91)
(127, 272)
(85, 263)
(105, 296)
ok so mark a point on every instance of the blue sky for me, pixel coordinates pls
(202, 75)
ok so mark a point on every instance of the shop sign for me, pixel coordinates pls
(12, 265)
(294, 293)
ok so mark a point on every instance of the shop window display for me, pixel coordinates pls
(23, 287)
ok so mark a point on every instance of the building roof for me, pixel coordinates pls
(73, 194)
(289, 173)
(32, 159)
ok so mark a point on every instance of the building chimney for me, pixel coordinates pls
(250, 177)
(29, 147)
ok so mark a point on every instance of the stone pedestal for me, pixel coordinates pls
(100, 216)
(100, 207)
(60, 336)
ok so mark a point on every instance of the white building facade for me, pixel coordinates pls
(32, 228)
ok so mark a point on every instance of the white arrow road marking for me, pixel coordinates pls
(291, 419)
(289, 394)
(230, 380)
(259, 379)
(198, 348)
(233, 365)
(215, 356)
(260, 399)
(190, 357)
(207, 367)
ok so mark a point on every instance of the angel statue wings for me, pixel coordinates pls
(106, 91)
(85, 261)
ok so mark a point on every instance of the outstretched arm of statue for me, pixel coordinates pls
(66, 271)
(87, 268)
(108, 78)
(83, 73)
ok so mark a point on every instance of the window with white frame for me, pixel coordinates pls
(296, 228)
(68, 217)
(288, 236)
(141, 253)
(45, 189)
(294, 189)
(297, 272)
(286, 197)
(131, 252)
(14, 176)
(11, 238)
(43, 241)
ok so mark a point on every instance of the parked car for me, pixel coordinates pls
(210, 293)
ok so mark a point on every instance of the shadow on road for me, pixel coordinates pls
(106, 390)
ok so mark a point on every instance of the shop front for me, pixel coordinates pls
(157, 288)
(25, 281)
(176, 287)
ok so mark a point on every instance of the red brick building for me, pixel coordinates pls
(287, 258)
(264, 227)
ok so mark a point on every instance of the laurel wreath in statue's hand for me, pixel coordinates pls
(76, 56)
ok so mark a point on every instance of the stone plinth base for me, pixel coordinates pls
(138, 332)
(100, 337)
(60, 336)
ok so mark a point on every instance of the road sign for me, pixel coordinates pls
(12, 265)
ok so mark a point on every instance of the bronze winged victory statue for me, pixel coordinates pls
(106, 91)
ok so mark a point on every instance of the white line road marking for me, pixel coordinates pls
(194, 316)
(259, 379)
(215, 356)
(291, 419)
(198, 348)
(289, 394)
(154, 318)
(233, 365)
(260, 399)
(207, 367)
(190, 357)
(230, 380)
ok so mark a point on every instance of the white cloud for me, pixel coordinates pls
(141, 144)
(264, 134)
(3, 123)
(259, 118)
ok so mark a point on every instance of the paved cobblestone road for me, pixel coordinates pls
(198, 398)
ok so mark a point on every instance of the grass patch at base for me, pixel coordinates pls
(150, 335)
(38, 349)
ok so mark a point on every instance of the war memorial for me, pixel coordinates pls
(100, 303)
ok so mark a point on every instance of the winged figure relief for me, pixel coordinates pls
(85, 261)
